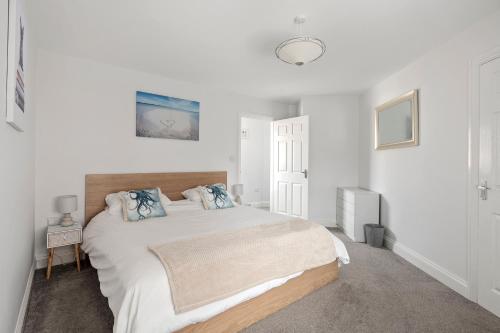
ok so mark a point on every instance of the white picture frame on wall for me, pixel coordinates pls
(396, 122)
(16, 65)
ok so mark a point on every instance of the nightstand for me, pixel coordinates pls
(57, 236)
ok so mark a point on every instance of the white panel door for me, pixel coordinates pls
(289, 164)
(489, 188)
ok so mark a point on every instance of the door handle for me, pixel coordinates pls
(305, 173)
(483, 190)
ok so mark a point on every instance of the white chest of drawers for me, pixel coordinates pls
(355, 208)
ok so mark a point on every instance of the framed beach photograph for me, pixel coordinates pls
(16, 65)
(167, 117)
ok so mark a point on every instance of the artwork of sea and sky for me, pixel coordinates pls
(167, 117)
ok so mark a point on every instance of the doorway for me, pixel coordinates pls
(255, 159)
(273, 164)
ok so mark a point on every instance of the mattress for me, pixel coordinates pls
(133, 278)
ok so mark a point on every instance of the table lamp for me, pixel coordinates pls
(238, 192)
(66, 204)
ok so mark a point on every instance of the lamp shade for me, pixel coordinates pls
(300, 50)
(237, 189)
(67, 204)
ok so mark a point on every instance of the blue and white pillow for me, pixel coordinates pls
(142, 204)
(215, 197)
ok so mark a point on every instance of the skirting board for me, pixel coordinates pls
(24, 304)
(441, 274)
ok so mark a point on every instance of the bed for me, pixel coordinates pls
(134, 280)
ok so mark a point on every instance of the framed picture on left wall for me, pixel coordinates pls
(16, 64)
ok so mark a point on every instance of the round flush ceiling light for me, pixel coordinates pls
(302, 49)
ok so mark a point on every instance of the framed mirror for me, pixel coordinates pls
(396, 122)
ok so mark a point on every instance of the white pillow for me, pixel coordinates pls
(165, 201)
(183, 202)
(184, 206)
(192, 194)
(114, 202)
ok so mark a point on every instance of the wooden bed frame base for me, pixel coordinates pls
(247, 313)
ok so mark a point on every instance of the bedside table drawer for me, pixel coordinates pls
(64, 238)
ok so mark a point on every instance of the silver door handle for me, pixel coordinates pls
(483, 188)
(305, 173)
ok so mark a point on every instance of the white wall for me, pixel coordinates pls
(424, 188)
(86, 124)
(333, 151)
(255, 160)
(16, 190)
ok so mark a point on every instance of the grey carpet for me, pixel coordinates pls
(377, 292)
(68, 302)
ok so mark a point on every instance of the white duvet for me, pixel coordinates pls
(134, 280)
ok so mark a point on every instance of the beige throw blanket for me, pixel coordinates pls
(212, 267)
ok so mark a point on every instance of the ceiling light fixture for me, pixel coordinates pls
(302, 49)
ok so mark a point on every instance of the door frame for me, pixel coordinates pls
(473, 170)
(243, 114)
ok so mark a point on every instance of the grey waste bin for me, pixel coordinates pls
(374, 234)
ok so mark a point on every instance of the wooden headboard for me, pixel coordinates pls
(97, 186)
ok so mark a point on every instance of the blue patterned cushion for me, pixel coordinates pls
(143, 204)
(215, 197)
